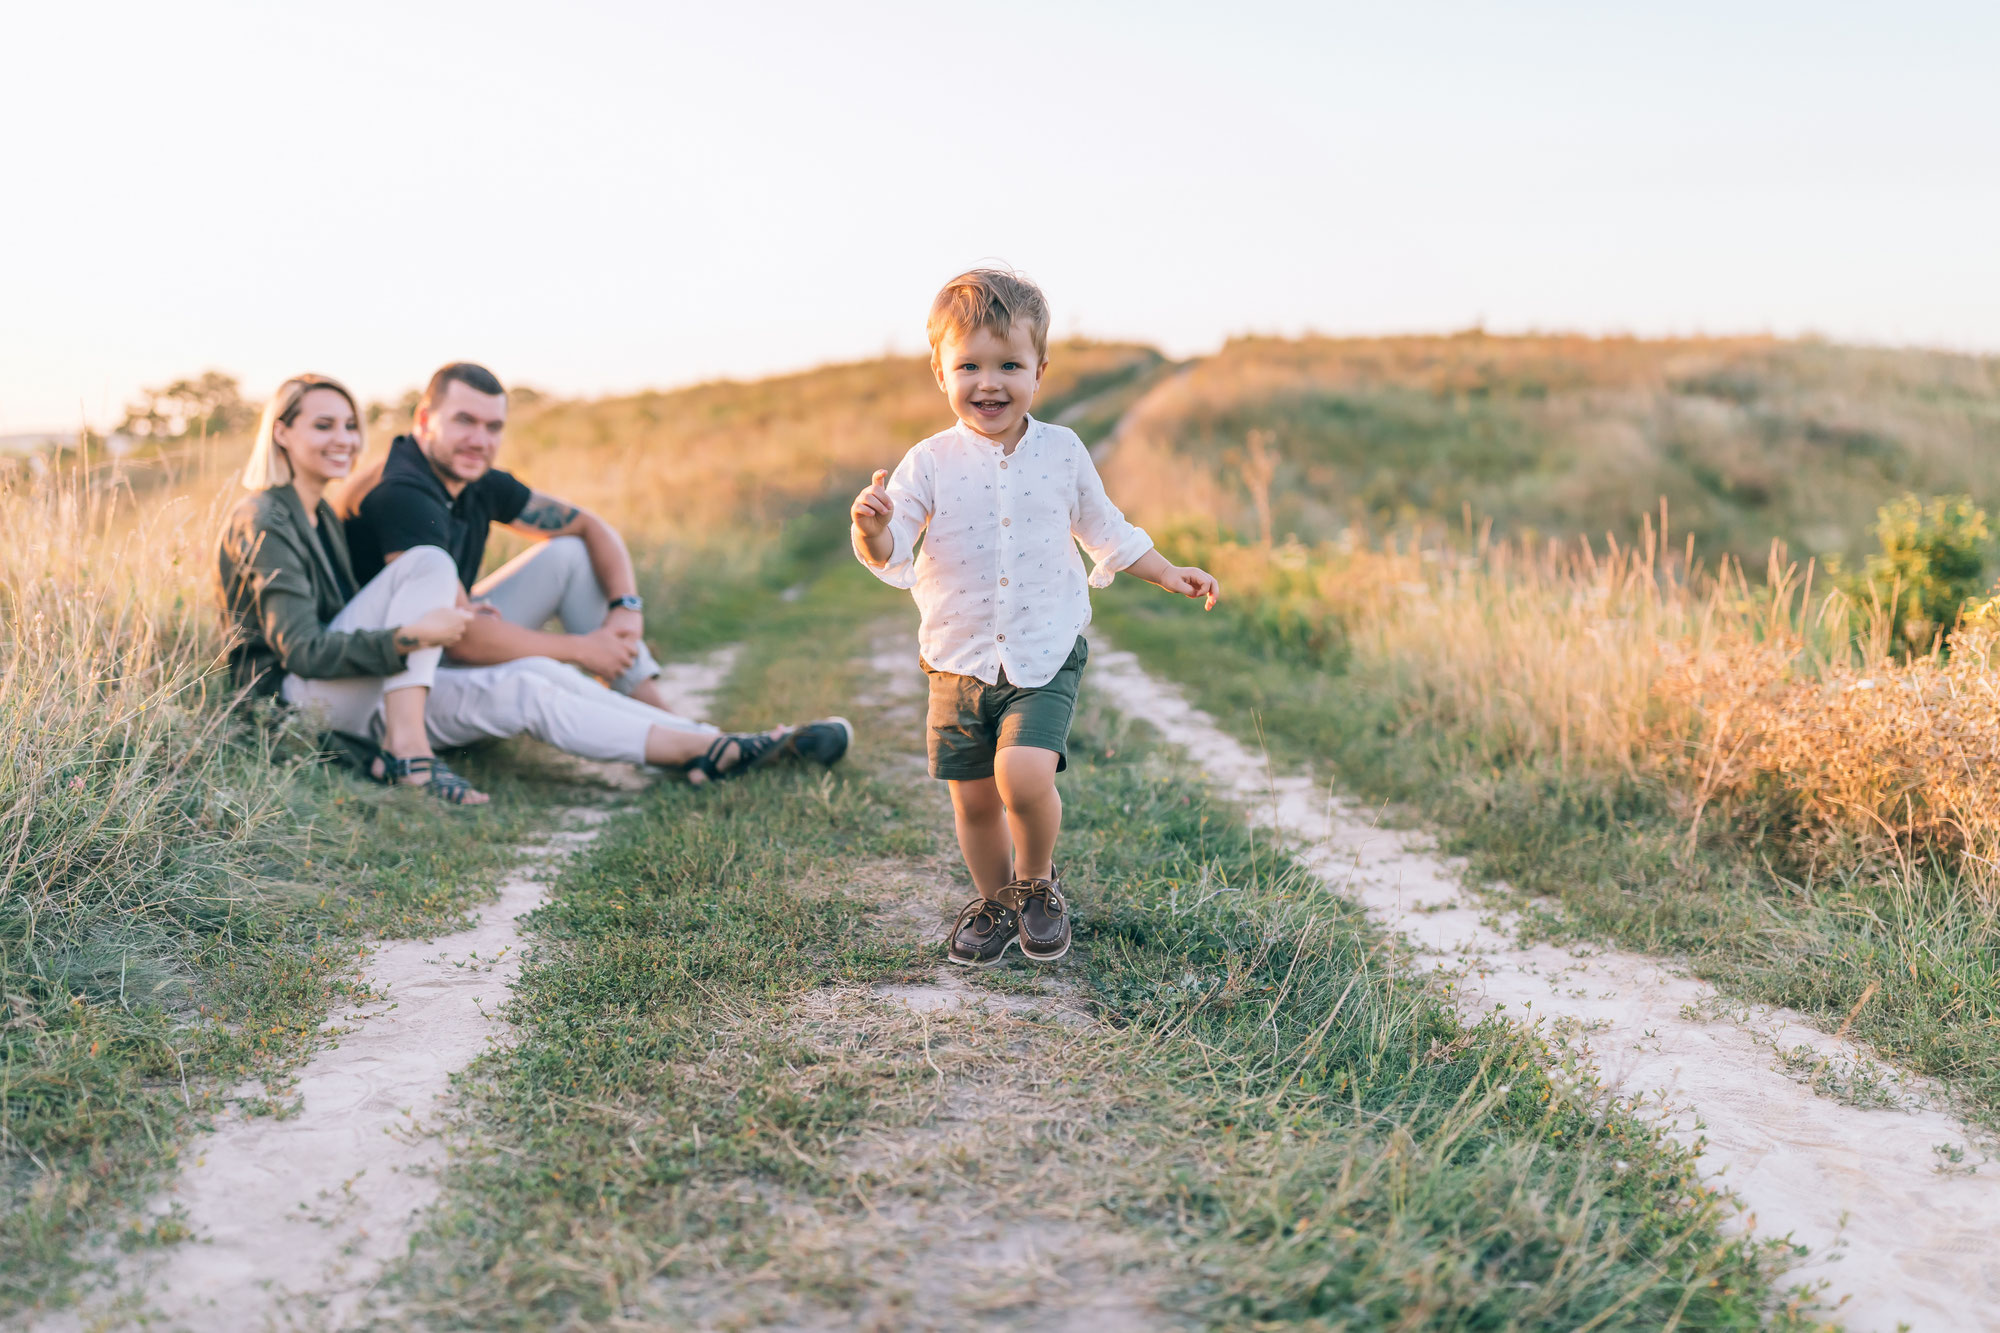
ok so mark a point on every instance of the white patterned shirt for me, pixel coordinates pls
(998, 581)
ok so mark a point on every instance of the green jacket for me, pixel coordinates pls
(278, 593)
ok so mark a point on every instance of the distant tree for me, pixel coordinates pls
(211, 404)
(397, 416)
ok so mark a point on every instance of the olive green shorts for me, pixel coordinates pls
(971, 721)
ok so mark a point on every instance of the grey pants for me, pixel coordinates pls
(554, 581)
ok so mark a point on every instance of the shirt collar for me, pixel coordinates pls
(1034, 428)
(407, 460)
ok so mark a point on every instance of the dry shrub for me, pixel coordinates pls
(1903, 757)
(1776, 704)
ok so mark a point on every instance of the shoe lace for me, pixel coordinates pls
(993, 913)
(1042, 890)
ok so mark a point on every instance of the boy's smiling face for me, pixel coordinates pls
(991, 379)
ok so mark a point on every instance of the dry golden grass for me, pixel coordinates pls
(1775, 703)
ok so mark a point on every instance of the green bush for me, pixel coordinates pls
(1933, 560)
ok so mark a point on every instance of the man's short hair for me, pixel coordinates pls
(989, 298)
(469, 373)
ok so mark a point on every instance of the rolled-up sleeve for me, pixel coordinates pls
(910, 490)
(1111, 542)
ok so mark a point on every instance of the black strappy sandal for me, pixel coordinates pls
(444, 784)
(754, 749)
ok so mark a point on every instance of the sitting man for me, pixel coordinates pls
(438, 487)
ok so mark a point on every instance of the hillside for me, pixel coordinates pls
(689, 463)
(1745, 439)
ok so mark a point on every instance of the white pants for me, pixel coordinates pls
(424, 579)
(534, 696)
(553, 580)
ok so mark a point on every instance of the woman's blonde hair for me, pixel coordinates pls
(267, 465)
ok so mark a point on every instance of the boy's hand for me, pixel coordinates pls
(872, 509)
(1191, 582)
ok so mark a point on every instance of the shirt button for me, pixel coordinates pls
(1001, 637)
(1003, 465)
(1006, 522)
(1003, 583)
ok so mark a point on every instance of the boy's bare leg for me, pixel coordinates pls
(982, 834)
(1026, 776)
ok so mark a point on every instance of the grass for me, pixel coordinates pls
(183, 895)
(1539, 725)
(1285, 1127)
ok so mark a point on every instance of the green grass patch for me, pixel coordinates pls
(654, 1052)
(1346, 1153)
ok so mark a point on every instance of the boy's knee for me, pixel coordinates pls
(977, 798)
(1025, 775)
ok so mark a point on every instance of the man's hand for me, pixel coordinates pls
(625, 623)
(1191, 582)
(872, 509)
(604, 652)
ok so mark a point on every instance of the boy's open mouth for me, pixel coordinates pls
(990, 406)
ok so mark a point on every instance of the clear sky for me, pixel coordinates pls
(597, 196)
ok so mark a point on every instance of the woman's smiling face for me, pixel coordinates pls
(990, 379)
(323, 437)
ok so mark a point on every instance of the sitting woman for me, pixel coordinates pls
(363, 660)
(366, 660)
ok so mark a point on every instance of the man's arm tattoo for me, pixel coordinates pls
(405, 641)
(548, 513)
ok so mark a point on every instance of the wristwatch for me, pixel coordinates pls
(626, 603)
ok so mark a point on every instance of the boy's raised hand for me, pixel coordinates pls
(872, 509)
(1189, 581)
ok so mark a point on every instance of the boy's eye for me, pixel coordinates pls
(1011, 365)
(968, 365)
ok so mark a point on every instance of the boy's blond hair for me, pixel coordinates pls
(989, 298)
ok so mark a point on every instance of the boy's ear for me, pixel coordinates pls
(937, 373)
(1040, 371)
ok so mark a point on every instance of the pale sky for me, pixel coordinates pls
(592, 197)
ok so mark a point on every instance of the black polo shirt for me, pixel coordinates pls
(410, 507)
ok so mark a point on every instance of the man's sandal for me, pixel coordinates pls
(823, 742)
(443, 783)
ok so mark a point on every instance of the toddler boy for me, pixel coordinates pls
(1000, 501)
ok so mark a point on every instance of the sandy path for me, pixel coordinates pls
(1900, 1239)
(975, 1212)
(294, 1219)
